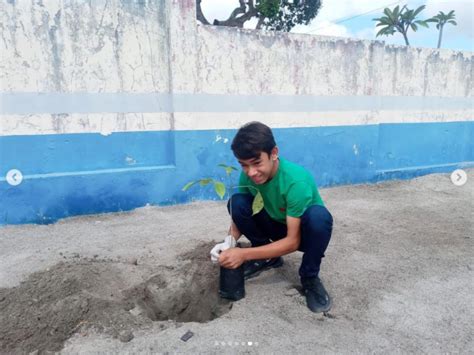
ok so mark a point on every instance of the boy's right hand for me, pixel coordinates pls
(229, 242)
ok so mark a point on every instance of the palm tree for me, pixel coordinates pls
(442, 19)
(397, 20)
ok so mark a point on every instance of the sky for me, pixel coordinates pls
(335, 19)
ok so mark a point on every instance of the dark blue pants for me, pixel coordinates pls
(261, 229)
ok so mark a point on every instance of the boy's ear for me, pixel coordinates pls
(274, 154)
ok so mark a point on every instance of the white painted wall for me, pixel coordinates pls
(158, 47)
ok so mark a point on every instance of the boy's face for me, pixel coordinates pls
(261, 169)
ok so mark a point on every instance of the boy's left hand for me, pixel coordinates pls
(231, 258)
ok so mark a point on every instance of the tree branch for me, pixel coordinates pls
(239, 10)
(250, 4)
(260, 23)
(234, 21)
(199, 15)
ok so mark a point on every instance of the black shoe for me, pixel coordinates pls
(317, 298)
(253, 268)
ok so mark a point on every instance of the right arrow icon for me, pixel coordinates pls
(459, 177)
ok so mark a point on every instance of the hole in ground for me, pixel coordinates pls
(188, 293)
(108, 296)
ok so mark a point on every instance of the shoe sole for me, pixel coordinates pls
(277, 264)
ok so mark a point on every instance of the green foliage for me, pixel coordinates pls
(400, 20)
(221, 189)
(442, 19)
(280, 15)
(268, 8)
(283, 15)
(228, 169)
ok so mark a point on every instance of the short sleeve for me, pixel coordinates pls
(299, 198)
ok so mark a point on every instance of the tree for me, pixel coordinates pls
(442, 19)
(279, 15)
(397, 20)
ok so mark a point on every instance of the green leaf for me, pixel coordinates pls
(257, 204)
(453, 22)
(225, 166)
(422, 23)
(395, 12)
(408, 15)
(413, 27)
(220, 189)
(228, 168)
(204, 182)
(188, 185)
(388, 13)
(384, 31)
(417, 11)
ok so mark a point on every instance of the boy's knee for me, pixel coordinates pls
(240, 202)
(317, 218)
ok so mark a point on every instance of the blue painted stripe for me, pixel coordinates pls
(417, 144)
(409, 169)
(18, 103)
(63, 153)
(61, 187)
(94, 172)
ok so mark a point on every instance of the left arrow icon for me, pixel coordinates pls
(14, 177)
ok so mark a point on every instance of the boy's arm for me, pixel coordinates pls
(234, 257)
(234, 231)
(287, 245)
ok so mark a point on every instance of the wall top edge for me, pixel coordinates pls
(325, 38)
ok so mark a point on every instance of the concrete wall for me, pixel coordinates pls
(108, 106)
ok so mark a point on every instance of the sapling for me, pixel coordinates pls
(221, 189)
(231, 281)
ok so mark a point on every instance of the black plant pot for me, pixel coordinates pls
(232, 283)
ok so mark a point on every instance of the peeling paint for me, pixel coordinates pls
(147, 47)
(219, 139)
(355, 149)
(130, 160)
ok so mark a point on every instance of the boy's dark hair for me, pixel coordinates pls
(252, 139)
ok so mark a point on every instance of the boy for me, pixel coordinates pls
(293, 218)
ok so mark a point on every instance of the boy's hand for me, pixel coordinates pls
(231, 258)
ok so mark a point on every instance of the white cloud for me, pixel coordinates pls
(324, 28)
(333, 11)
(218, 9)
(366, 33)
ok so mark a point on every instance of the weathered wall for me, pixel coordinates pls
(108, 106)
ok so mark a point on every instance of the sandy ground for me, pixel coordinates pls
(399, 269)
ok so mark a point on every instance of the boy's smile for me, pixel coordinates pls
(260, 170)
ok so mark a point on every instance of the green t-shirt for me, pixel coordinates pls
(289, 193)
